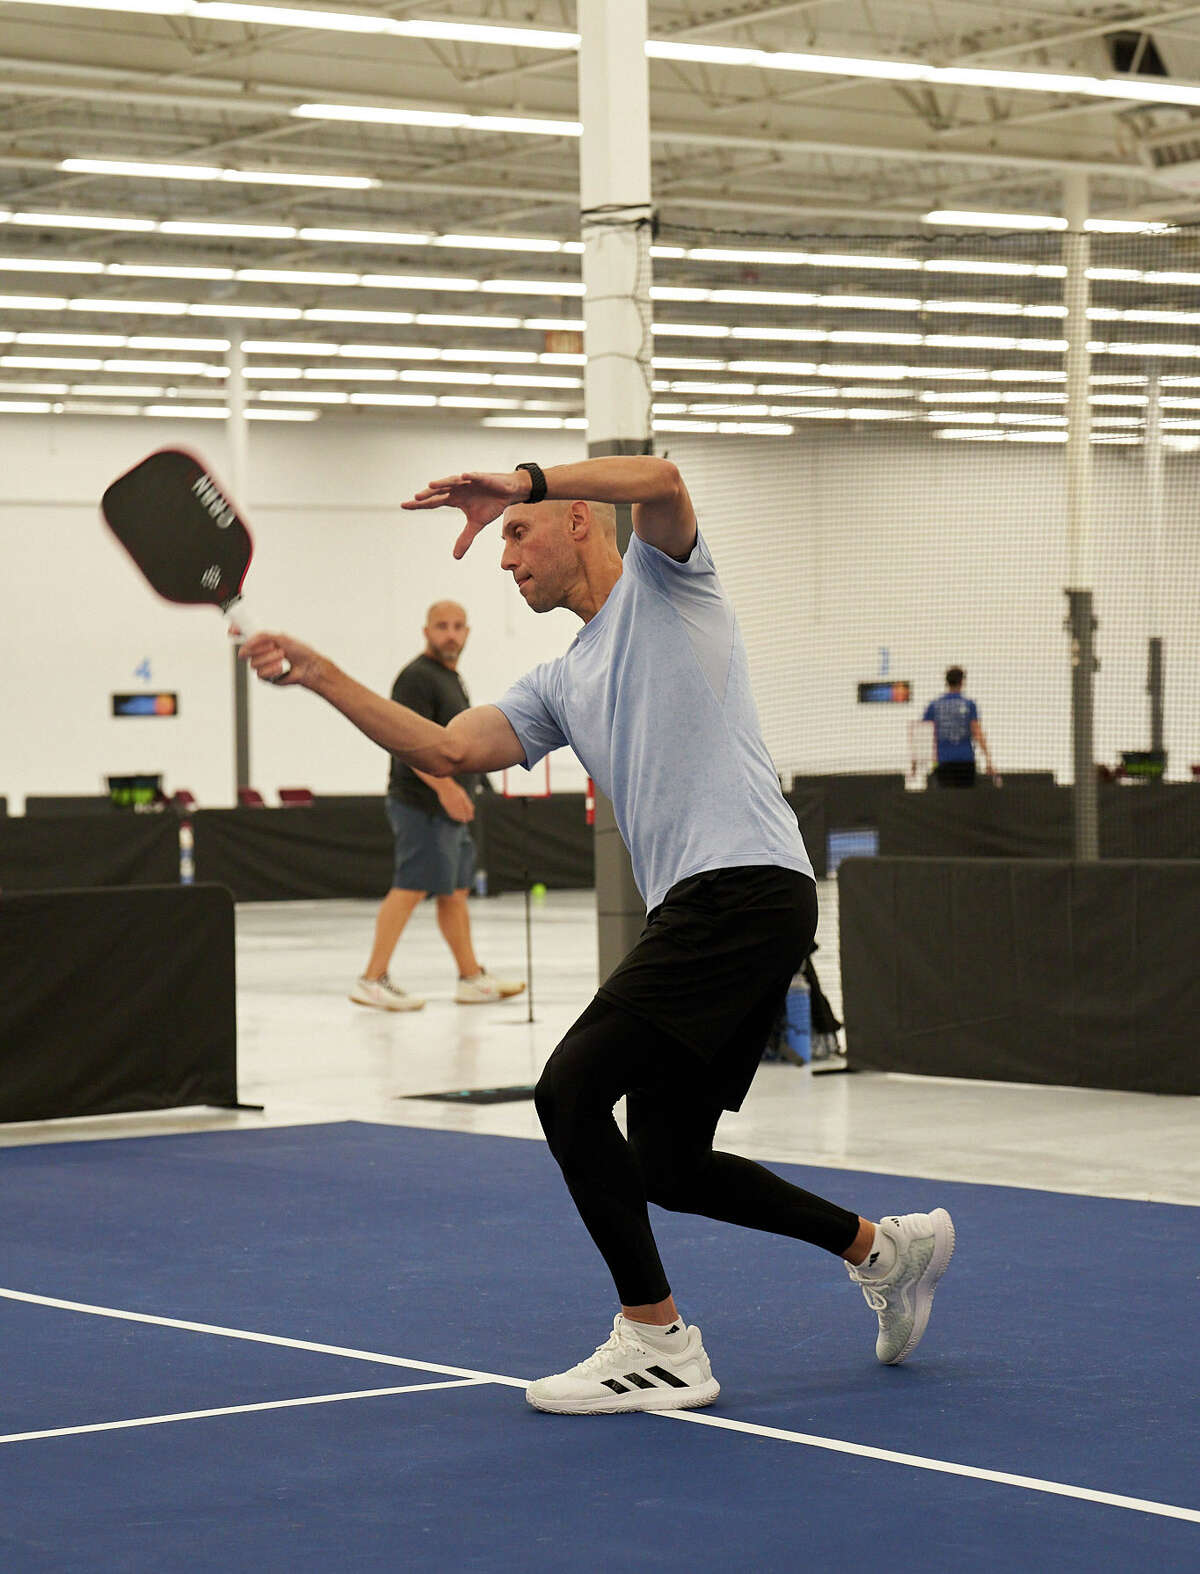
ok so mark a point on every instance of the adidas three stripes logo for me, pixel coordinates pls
(663, 1379)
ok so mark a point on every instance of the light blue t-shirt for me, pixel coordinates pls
(654, 697)
(952, 714)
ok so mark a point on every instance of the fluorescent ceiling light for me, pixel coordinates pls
(227, 309)
(1136, 89)
(690, 330)
(525, 380)
(49, 265)
(291, 276)
(80, 221)
(502, 357)
(1043, 221)
(309, 396)
(119, 390)
(422, 375)
(417, 281)
(34, 303)
(365, 237)
(328, 314)
(348, 374)
(332, 21)
(461, 320)
(203, 412)
(140, 270)
(470, 402)
(497, 242)
(50, 363)
(253, 177)
(414, 399)
(532, 286)
(437, 119)
(223, 230)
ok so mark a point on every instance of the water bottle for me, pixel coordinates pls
(481, 882)
(187, 858)
(798, 1020)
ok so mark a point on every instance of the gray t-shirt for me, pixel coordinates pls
(654, 697)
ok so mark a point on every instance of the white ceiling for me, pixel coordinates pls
(770, 155)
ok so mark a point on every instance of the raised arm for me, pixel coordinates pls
(662, 510)
(479, 739)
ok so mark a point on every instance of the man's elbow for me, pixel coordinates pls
(669, 481)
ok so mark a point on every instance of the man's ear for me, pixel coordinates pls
(580, 521)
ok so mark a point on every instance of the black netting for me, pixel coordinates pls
(876, 433)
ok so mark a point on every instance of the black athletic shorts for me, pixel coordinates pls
(713, 964)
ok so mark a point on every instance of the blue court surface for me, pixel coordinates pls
(303, 1348)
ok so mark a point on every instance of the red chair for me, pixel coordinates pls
(295, 798)
(250, 798)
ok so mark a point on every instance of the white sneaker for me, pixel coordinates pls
(483, 987)
(902, 1298)
(626, 1374)
(384, 995)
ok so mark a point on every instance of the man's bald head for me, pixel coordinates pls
(445, 632)
(441, 609)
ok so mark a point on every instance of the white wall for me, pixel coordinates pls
(831, 547)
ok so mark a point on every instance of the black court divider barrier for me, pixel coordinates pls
(1033, 820)
(1024, 970)
(43, 806)
(547, 838)
(345, 850)
(116, 1000)
(110, 849)
(279, 855)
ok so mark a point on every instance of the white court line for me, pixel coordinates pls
(255, 1338)
(779, 1434)
(946, 1467)
(238, 1410)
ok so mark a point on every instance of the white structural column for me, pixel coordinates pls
(1155, 669)
(615, 223)
(236, 431)
(1077, 257)
(615, 219)
(1081, 622)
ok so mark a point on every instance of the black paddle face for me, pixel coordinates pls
(180, 529)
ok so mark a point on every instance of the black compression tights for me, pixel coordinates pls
(668, 1159)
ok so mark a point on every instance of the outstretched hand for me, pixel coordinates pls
(482, 498)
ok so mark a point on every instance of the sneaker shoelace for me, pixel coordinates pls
(602, 1354)
(876, 1300)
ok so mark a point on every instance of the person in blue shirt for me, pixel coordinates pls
(957, 730)
(653, 694)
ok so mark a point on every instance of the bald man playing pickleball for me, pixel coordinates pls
(653, 695)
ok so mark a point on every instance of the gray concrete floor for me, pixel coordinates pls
(308, 1055)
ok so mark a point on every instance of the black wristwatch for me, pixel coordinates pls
(537, 488)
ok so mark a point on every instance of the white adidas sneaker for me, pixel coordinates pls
(626, 1374)
(384, 995)
(481, 989)
(902, 1297)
